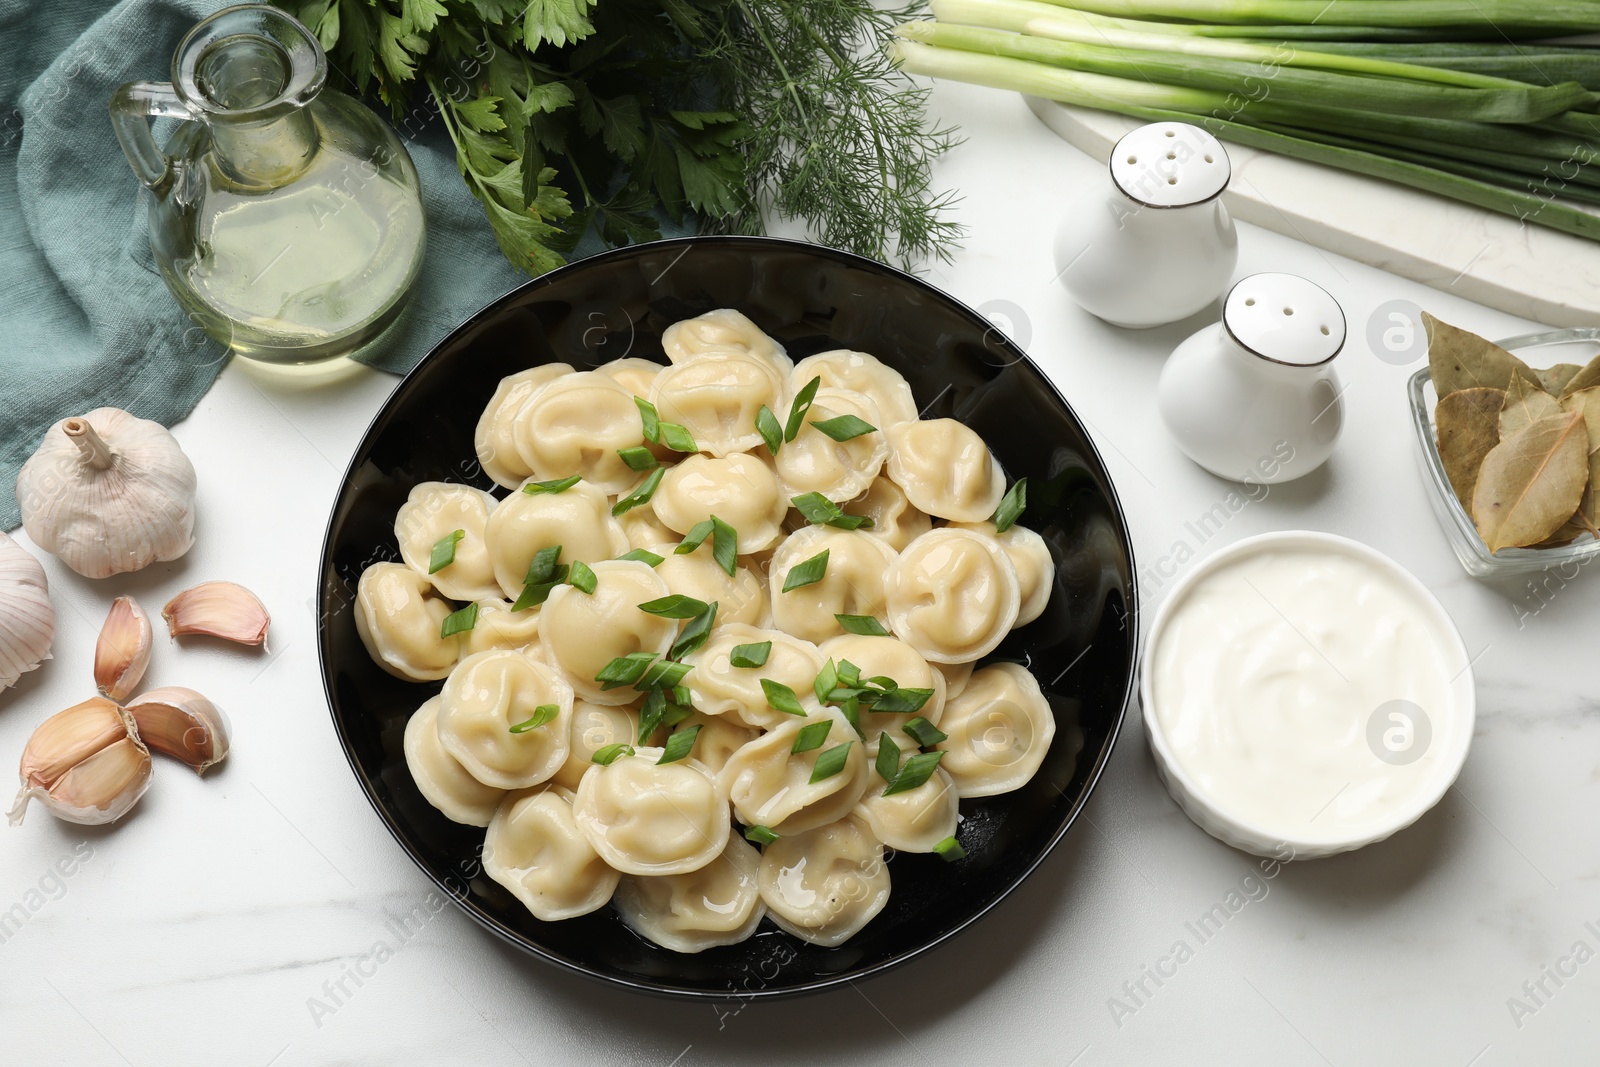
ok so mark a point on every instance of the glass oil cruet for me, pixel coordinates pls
(286, 217)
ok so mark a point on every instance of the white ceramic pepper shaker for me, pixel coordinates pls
(1255, 397)
(1157, 245)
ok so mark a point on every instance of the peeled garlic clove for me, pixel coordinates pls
(123, 651)
(108, 492)
(27, 620)
(85, 765)
(181, 723)
(220, 609)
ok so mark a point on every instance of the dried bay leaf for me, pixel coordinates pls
(1467, 426)
(1462, 360)
(1587, 378)
(1531, 484)
(1554, 379)
(1526, 403)
(1586, 402)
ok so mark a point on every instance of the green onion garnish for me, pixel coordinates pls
(801, 405)
(679, 745)
(924, 733)
(750, 655)
(642, 555)
(725, 546)
(865, 625)
(888, 762)
(624, 670)
(916, 771)
(695, 633)
(609, 753)
(767, 426)
(542, 568)
(651, 714)
(845, 427)
(806, 573)
(1012, 505)
(781, 698)
(820, 511)
(761, 835)
(639, 458)
(849, 673)
(676, 606)
(581, 577)
(902, 701)
(695, 537)
(851, 709)
(651, 420)
(680, 696)
(641, 493)
(537, 593)
(950, 850)
(559, 485)
(829, 763)
(459, 621)
(812, 735)
(663, 674)
(825, 681)
(544, 713)
(678, 438)
(444, 551)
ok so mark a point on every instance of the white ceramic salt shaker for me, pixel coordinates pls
(1157, 246)
(1255, 397)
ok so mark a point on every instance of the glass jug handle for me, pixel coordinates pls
(132, 107)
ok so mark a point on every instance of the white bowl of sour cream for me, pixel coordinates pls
(1305, 695)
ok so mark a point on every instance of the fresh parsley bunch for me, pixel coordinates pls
(569, 115)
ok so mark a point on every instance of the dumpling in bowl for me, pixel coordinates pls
(952, 595)
(889, 657)
(719, 904)
(576, 425)
(717, 396)
(723, 330)
(578, 519)
(945, 469)
(894, 518)
(739, 489)
(825, 885)
(487, 695)
(999, 730)
(497, 626)
(647, 817)
(594, 726)
(913, 820)
(434, 511)
(440, 778)
(771, 785)
(495, 438)
(399, 616)
(534, 849)
(814, 462)
(1036, 569)
(718, 687)
(583, 632)
(860, 373)
(739, 596)
(852, 581)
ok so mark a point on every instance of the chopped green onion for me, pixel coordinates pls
(695, 537)
(950, 850)
(581, 577)
(845, 427)
(883, 681)
(851, 710)
(559, 485)
(537, 593)
(444, 551)
(663, 674)
(812, 735)
(624, 670)
(750, 655)
(725, 546)
(801, 405)
(1012, 505)
(641, 493)
(651, 713)
(607, 755)
(825, 681)
(680, 695)
(678, 438)
(679, 745)
(849, 673)
(821, 511)
(916, 770)
(458, 622)
(829, 763)
(760, 835)
(542, 568)
(767, 426)
(781, 698)
(676, 606)
(642, 555)
(695, 633)
(639, 458)
(544, 713)
(865, 625)
(924, 733)
(902, 701)
(806, 573)
(888, 762)
(651, 420)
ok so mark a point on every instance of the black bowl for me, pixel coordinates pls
(811, 299)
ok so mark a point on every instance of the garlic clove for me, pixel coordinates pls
(123, 651)
(85, 765)
(27, 619)
(181, 723)
(219, 609)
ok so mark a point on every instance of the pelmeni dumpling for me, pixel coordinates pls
(632, 373)
(999, 728)
(495, 438)
(861, 373)
(720, 904)
(740, 596)
(723, 330)
(717, 687)
(889, 657)
(582, 632)
(945, 469)
(575, 425)
(440, 778)
(894, 518)
(771, 786)
(535, 849)
(739, 489)
(955, 677)
(718, 739)
(852, 584)
(840, 470)
(434, 511)
(717, 396)
(952, 595)
(1036, 569)
(645, 817)
(498, 626)
(913, 820)
(577, 518)
(399, 615)
(824, 885)
(594, 726)
(484, 698)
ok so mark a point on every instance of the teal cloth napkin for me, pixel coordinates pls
(85, 320)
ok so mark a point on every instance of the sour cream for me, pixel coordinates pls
(1305, 690)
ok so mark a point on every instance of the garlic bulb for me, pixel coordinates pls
(108, 492)
(85, 765)
(27, 620)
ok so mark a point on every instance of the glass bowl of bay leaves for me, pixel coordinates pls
(1513, 469)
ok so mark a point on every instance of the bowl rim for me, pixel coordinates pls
(1310, 846)
(1129, 682)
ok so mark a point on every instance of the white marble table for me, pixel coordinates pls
(209, 926)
